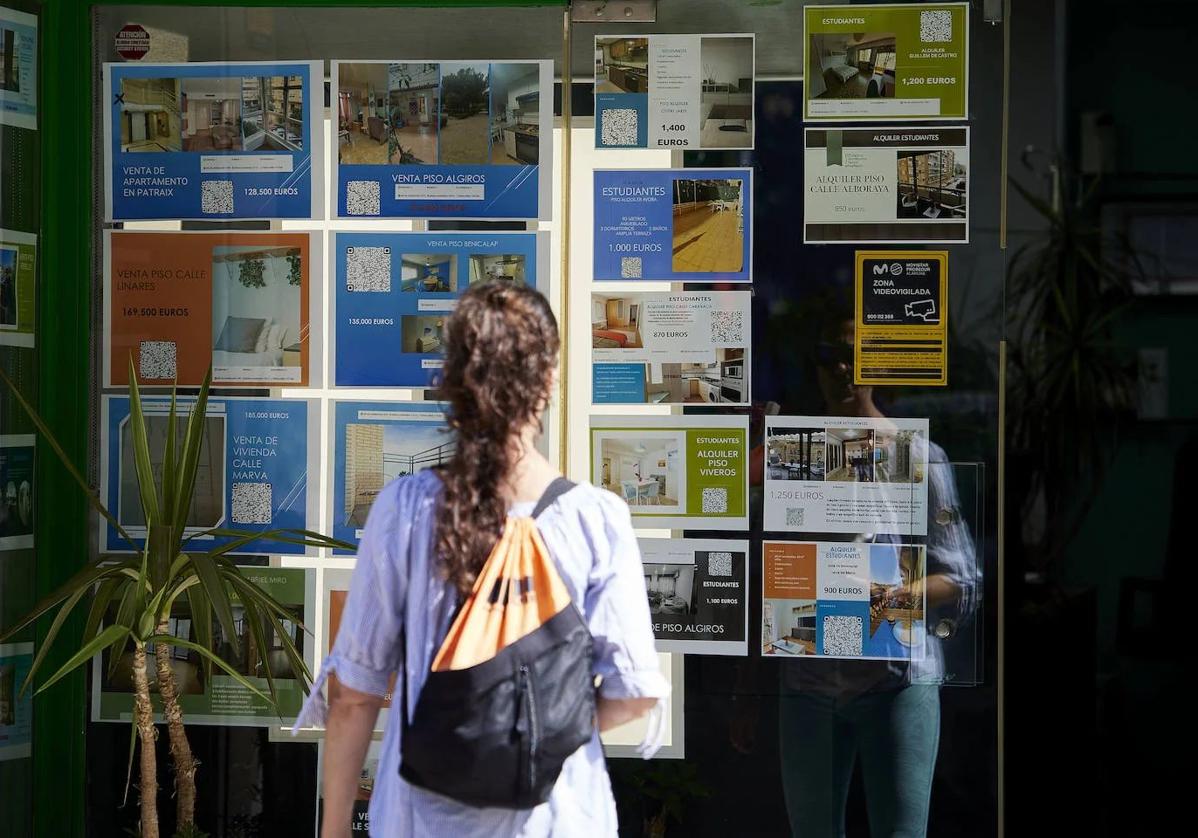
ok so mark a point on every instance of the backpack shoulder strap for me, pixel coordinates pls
(553, 491)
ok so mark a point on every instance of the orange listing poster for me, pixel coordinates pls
(179, 302)
(788, 570)
(336, 605)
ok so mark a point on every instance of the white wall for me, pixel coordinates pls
(278, 300)
(727, 60)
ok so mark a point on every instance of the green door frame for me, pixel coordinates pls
(64, 340)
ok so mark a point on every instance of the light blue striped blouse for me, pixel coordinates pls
(396, 589)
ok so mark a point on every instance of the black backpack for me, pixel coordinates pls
(498, 732)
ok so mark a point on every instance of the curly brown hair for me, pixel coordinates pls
(501, 350)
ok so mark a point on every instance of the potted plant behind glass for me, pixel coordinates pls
(145, 586)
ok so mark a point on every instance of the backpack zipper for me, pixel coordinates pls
(533, 726)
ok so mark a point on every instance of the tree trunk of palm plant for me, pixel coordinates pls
(144, 718)
(181, 756)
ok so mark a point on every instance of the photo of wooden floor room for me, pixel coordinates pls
(709, 226)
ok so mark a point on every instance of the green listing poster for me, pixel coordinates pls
(222, 700)
(892, 62)
(18, 273)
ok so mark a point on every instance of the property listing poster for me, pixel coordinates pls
(253, 472)
(221, 700)
(899, 61)
(17, 363)
(16, 482)
(674, 91)
(213, 141)
(675, 471)
(394, 293)
(881, 185)
(240, 303)
(692, 225)
(698, 592)
(843, 600)
(374, 443)
(443, 139)
(16, 710)
(18, 279)
(846, 474)
(18, 69)
(335, 593)
(360, 824)
(689, 347)
(901, 329)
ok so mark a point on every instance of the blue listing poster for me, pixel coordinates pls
(374, 443)
(395, 292)
(18, 69)
(681, 225)
(213, 141)
(252, 477)
(443, 139)
(16, 706)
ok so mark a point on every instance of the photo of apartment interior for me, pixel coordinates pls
(788, 627)
(795, 454)
(10, 68)
(246, 657)
(849, 455)
(377, 454)
(896, 572)
(8, 695)
(284, 98)
(642, 470)
(150, 115)
(670, 588)
(515, 114)
(708, 226)
(898, 456)
(858, 65)
(428, 272)
(185, 664)
(256, 307)
(498, 267)
(717, 382)
(16, 484)
(465, 99)
(208, 501)
(363, 124)
(622, 65)
(211, 110)
(421, 334)
(726, 92)
(414, 113)
(931, 184)
(615, 322)
(8, 287)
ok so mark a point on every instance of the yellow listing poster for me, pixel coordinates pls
(901, 317)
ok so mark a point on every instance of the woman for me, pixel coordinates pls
(427, 537)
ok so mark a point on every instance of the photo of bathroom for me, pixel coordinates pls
(709, 226)
(498, 267)
(149, 115)
(422, 334)
(849, 455)
(429, 272)
(621, 65)
(644, 468)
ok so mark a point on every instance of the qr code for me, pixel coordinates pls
(362, 197)
(719, 564)
(216, 197)
(251, 503)
(618, 126)
(368, 269)
(157, 359)
(630, 267)
(715, 501)
(843, 636)
(794, 516)
(936, 27)
(727, 327)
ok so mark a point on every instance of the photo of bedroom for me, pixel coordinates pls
(670, 588)
(515, 114)
(621, 65)
(899, 456)
(932, 184)
(849, 455)
(376, 454)
(615, 322)
(788, 627)
(8, 287)
(149, 115)
(858, 65)
(795, 454)
(727, 92)
(717, 382)
(421, 334)
(208, 502)
(429, 272)
(256, 310)
(643, 467)
(708, 226)
(10, 70)
(896, 602)
(211, 111)
(465, 100)
(498, 267)
(363, 126)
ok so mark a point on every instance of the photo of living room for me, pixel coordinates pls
(795, 454)
(428, 272)
(208, 500)
(376, 454)
(515, 114)
(8, 287)
(849, 455)
(708, 226)
(246, 657)
(644, 468)
(899, 456)
(727, 92)
(211, 110)
(149, 115)
(498, 267)
(621, 65)
(256, 309)
(615, 322)
(670, 588)
(932, 183)
(421, 334)
(10, 70)
(788, 627)
(465, 100)
(185, 664)
(363, 128)
(857, 65)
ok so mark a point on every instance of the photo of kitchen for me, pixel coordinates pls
(708, 226)
(932, 183)
(498, 267)
(515, 114)
(150, 115)
(644, 468)
(428, 272)
(621, 65)
(465, 100)
(788, 627)
(721, 381)
(849, 455)
(899, 456)
(421, 334)
(670, 589)
(857, 65)
(795, 454)
(727, 92)
(211, 111)
(208, 500)
(376, 454)
(896, 602)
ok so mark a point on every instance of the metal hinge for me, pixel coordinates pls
(614, 11)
